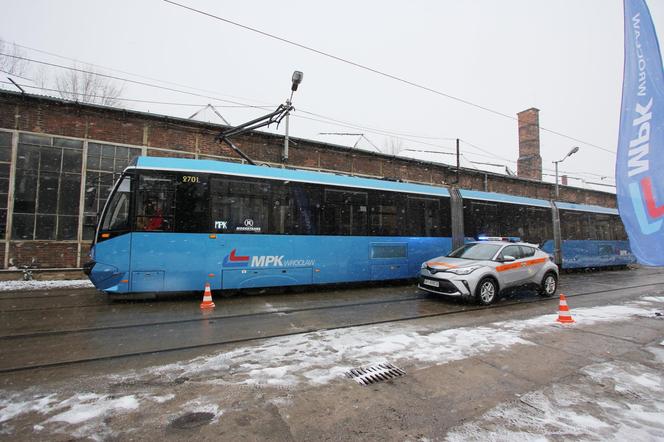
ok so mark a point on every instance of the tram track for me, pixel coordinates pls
(12, 294)
(236, 316)
(103, 301)
(298, 332)
(208, 318)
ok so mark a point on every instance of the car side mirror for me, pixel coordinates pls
(508, 258)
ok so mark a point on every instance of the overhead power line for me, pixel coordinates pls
(135, 100)
(75, 60)
(128, 80)
(451, 150)
(378, 72)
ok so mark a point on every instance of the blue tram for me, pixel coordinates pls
(175, 224)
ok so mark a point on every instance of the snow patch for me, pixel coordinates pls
(269, 308)
(622, 401)
(161, 399)
(320, 357)
(14, 406)
(89, 406)
(11, 286)
(653, 298)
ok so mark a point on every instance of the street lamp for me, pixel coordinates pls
(574, 150)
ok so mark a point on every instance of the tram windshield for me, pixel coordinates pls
(116, 217)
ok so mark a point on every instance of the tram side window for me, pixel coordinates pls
(305, 203)
(445, 217)
(116, 217)
(575, 225)
(537, 224)
(586, 225)
(155, 202)
(604, 227)
(618, 228)
(530, 224)
(481, 218)
(601, 224)
(387, 213)
(191, 213)
(240, 206)
(423, 216)
(344, 212)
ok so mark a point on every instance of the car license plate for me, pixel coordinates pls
(431, 283)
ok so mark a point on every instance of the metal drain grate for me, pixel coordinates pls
(376, 373)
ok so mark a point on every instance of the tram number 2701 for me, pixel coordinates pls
(190, 179)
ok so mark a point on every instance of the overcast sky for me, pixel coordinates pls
(564, 57)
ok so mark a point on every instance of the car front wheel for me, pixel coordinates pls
(486, 292)
(549, 285)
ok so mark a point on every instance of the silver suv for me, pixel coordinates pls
(483, 269)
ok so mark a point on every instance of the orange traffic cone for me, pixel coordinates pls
(564, 316)
(207, 298)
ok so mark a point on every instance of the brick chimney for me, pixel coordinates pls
(563, 179)
(529, 164)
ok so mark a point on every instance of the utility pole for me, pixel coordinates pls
(458, 161)
(296, 79)
(285, 158)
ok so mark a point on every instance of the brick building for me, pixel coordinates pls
(59, 159)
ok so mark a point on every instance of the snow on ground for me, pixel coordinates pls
(14, 405)
(84, 407)
(321, 357)
(609, 401)
(11, 286)
(81, 415)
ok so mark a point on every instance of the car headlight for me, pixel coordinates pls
(463, 270)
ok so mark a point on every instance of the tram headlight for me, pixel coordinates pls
(463, 270)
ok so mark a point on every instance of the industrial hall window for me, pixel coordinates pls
(105, 163)
(5, 158)
(47, 188)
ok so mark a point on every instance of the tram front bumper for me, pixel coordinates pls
(105, 277)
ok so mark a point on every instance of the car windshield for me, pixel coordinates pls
(476, 251)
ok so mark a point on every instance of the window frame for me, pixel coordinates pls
(35, 158)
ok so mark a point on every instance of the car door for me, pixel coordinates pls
(533, 264)
(513, 272)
